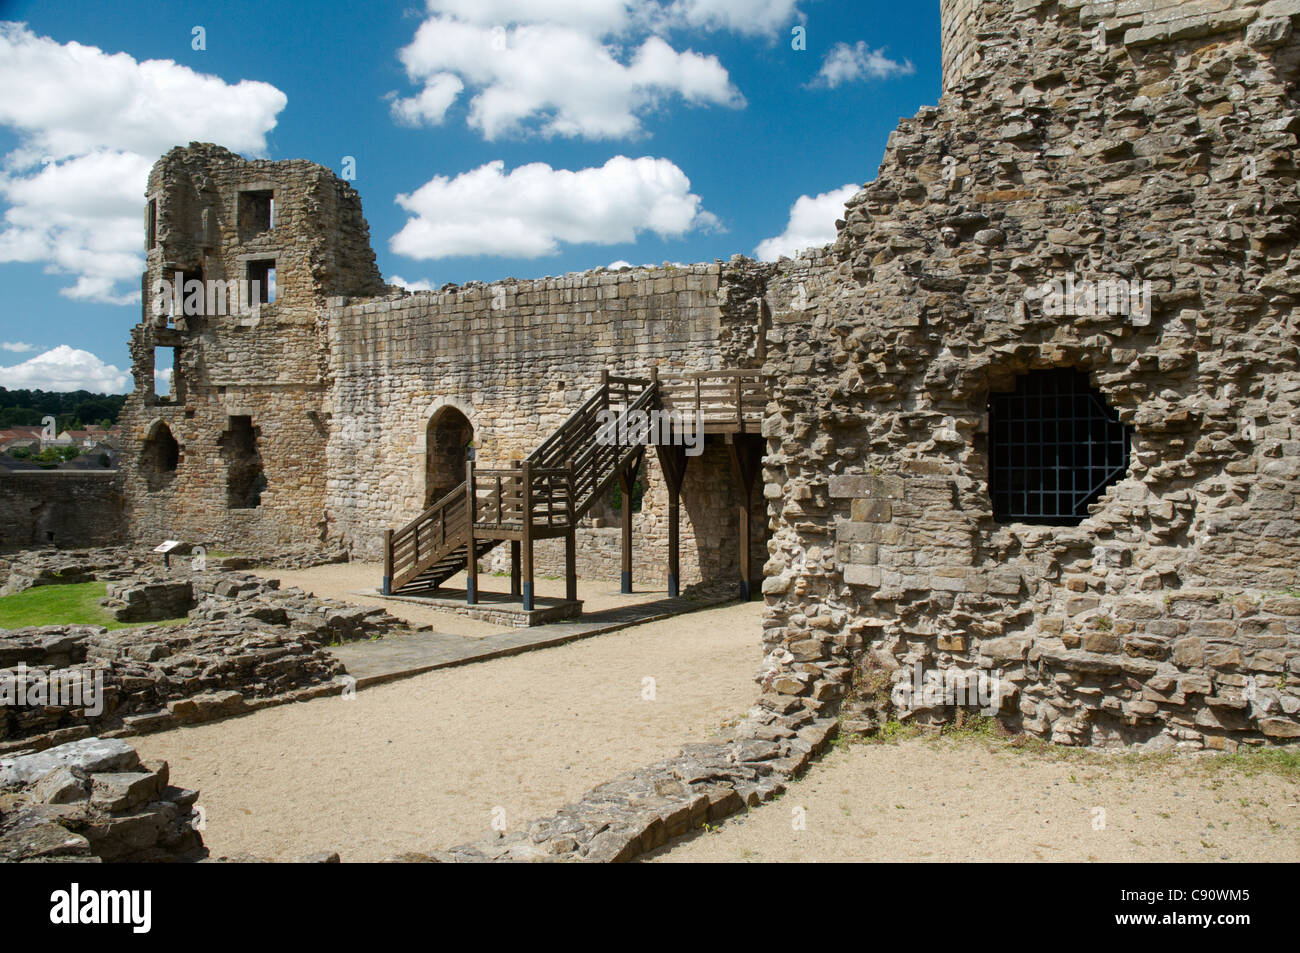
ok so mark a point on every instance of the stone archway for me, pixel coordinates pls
(159, 456)
(446, 445)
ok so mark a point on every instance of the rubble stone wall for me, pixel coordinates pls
(1164, 617)
(61, 508)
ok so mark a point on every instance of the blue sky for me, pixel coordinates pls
(723, 124)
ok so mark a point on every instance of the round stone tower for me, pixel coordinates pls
(957, 20)
(974, 31)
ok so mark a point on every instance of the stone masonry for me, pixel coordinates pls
(1162, 152)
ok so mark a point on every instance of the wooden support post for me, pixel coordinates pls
(515, 591)
(387, 586)
(526, 474)
(672, 460)
(571, 565)
(571, 541)
(626, 482)
(471, 549)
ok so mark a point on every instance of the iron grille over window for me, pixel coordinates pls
(1054, 447)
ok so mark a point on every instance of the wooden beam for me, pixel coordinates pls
(571, 537)
(672, 461)
(471, 550)
(527, 543)
(387, 586)
(515, 591)
(626, 481)
(571, 565)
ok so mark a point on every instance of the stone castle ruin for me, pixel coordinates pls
(1031, 423)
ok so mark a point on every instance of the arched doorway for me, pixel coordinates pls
(446, 451)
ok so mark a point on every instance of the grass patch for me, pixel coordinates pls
(76, 604)
(1283, 762)
(1249, 762)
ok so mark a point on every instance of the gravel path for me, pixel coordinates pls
(422, 763)
(926, 800)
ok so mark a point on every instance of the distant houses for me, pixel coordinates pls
(99, 448)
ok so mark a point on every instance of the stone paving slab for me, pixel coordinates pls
(401, 656)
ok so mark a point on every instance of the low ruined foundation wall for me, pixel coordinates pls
(61, 508)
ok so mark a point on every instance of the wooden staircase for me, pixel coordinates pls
(546, 495)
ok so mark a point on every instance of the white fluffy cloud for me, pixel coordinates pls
(740, 16)
(90, 124)
(575, 68)
(421, 284)
(530, 211)
(847, 64)
(65, 369)
(812, 224)
(15, 347)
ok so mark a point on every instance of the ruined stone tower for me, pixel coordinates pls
(245, 419)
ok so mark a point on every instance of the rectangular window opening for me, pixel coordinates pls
(166, 379)
(256, 212)
(245, 479)
(263, 272)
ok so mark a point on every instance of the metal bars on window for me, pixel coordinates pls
(1054, 447)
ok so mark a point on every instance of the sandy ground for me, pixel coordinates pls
(344, 580)
(422, 763)
(925, 800)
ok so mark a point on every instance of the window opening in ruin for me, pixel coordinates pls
(245, 480)
(1055, 445)
(263, 272)
(153, 223)
(256, 212)
(165, 380)
(159, 457)
(446, 444)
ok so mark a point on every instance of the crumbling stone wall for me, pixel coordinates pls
(61, 508)
(94, 800)
(1163, 617)
(973, 29)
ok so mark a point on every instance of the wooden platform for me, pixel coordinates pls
(494, 607)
